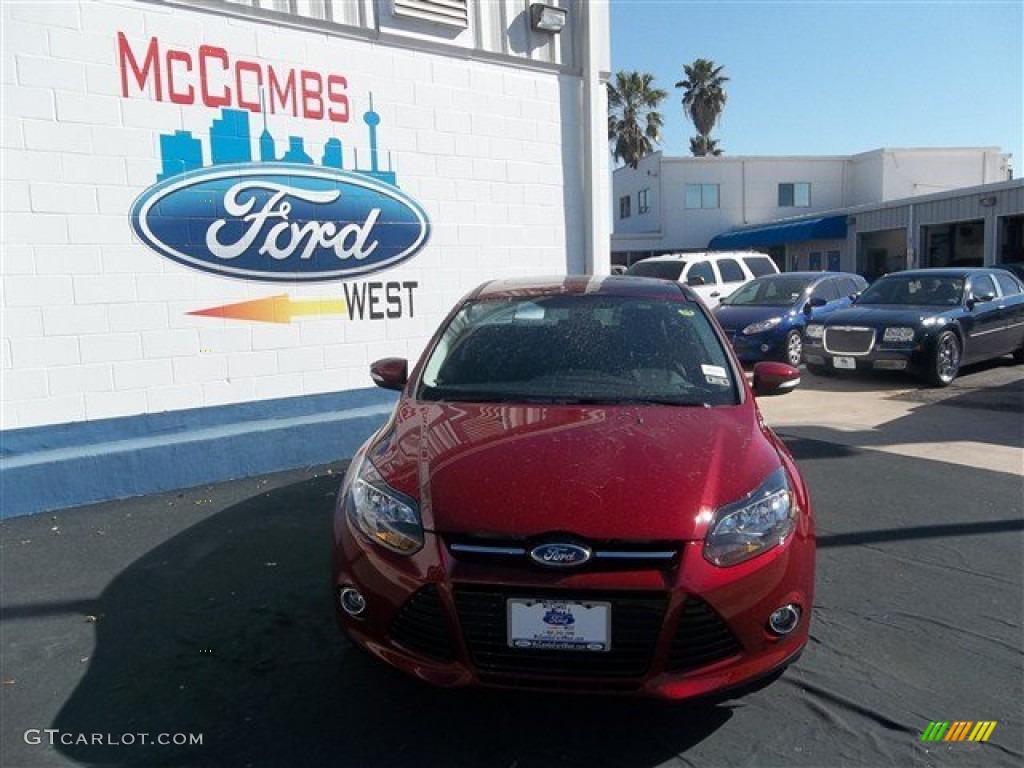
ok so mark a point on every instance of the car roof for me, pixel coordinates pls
(605, 285)
(702, 255)
(807, 275)
(941, 272)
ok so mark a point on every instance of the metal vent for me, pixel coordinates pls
(422, 625)
(701, 638)
(451, 13)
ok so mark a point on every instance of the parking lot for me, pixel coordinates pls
(207, 611)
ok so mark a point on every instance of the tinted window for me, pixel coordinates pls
(702, 269)
(826, 290)
(771, 291)
(1009, 286)
(982, 285)
(666, 270)
(760, 265)
(731, 271)
(848, 285)
(914, 290)
(572, 348)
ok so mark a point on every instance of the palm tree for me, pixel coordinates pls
(703, 100)
(704, 145)
(634, 122)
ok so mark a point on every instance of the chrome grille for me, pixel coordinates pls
(608, 555)
(848, 340)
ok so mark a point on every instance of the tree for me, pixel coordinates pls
(703, 100)
(634, 122)
(704, 145)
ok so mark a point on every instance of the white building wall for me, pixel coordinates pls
(749, 189)
(96, 324)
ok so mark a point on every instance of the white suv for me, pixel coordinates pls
(712, 275)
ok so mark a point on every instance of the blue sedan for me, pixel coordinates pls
(765, 318)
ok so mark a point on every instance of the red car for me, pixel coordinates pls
(576, 491)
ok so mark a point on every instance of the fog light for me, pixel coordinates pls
(784, 619)
(352, 601)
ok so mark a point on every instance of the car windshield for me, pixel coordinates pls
(915, 290)
(580, 349)
(780, 291)
(666, 270)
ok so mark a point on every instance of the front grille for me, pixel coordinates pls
(607, 555)
(422, 625)
(847, 340)
(636, 622)
(701, 638)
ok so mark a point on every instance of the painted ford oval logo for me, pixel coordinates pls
(280, 222)
(560, 555)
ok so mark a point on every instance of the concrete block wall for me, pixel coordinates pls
(96, 325)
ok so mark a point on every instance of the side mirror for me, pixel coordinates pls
(813, 303)
(390, 373)
(695, 280)
(774, 379)
(980, 299)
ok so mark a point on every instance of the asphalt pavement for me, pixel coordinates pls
(207, 612)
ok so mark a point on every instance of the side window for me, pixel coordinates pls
(826, 290)
(759, 265)
(982, 285)
(702, 269)
(848, 285)
(1007, 284)
(731, 271)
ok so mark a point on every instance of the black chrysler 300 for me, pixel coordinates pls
(928, 321)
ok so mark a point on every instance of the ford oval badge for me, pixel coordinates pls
(560, 555)
(280, 222)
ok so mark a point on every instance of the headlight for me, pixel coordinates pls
(898, 333)
(753, 525)
(814, 331)
(763, 325)
(384, 515)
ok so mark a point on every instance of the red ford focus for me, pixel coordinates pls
(576, 491)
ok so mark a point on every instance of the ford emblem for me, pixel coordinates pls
(280, 222)
(560, 555)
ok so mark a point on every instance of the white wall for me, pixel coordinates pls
(96, 324)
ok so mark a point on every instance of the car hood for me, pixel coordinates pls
(738, 318)
(601, 472)
(883, 314)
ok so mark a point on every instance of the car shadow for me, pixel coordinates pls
(899, 381)
(226, 630)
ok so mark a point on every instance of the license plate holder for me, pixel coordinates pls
(559, 625)
(844, 363)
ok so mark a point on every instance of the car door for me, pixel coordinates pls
(732, 274)
(708, 290)
(826, 290)
(986, 321)
(1011, 308)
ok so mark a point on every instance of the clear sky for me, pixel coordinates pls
(829, 77)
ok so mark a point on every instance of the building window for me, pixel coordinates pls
(642, 201)
(795, 195)
(624, 212)
(701, 195)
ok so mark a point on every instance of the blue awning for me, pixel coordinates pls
(823, 228)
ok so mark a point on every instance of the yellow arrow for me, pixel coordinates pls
(275, 309)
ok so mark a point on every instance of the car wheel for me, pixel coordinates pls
(794, 350)
(819, 370)
(945, 360)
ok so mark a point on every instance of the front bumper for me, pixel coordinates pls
(909, 356)
(758, 347)
(691, 630)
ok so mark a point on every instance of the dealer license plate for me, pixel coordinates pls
(559, 625)
(847, 363)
